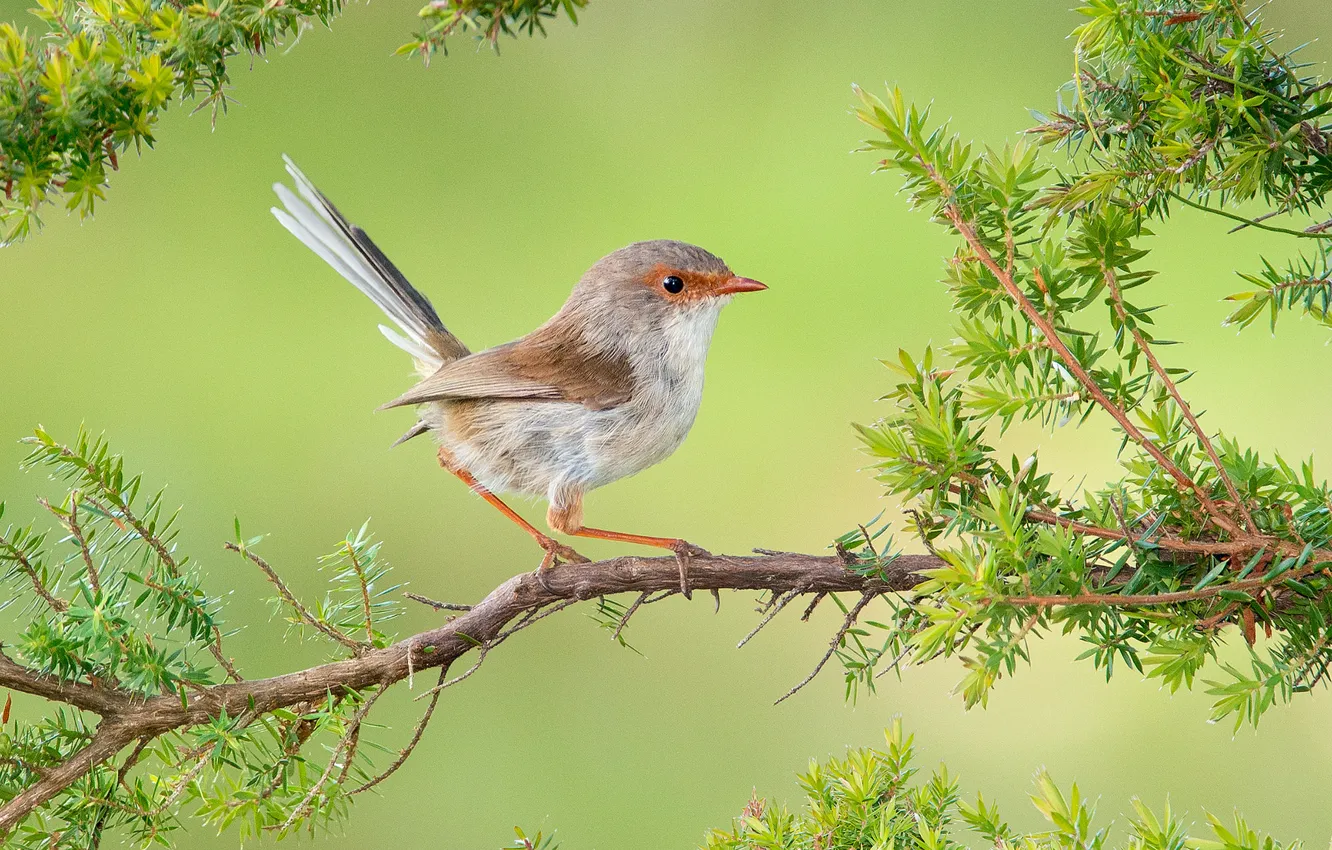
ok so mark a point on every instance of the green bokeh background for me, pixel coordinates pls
(224, 358)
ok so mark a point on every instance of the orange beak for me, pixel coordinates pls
(739, 284)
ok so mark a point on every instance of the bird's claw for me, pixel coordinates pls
(687, 549)
(556, 553)
(684, 553)
(565, 553)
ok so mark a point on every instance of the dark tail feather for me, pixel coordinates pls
(347, 248)
(416, 430)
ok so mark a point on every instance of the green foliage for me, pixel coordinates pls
(873, 800)
(613, 616)
(1180, 104)
(536, 842)
(1305, 284)
(485, 19)
(136, 613)
(359, 600)
(95, 83)
(110, 602)
(867, 551)
(1175, 105)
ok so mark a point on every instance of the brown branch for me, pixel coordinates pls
(159, 546)
(406, 752)
(1315, 90)
(76, 531)
(1209, 623)
(1174, 544)
(21, 558)
(1293, 284)
(514, 605)
(773, 608)
(290, 598)
(629, 612)
(71, 523)
(122, 506)
(1026, 629)
(896, 662)
(214, 646)
(466, 674)
(1112, 283)
(215, 649)
(182, 781)
(346, 749)
(485, 622)
(538, 613)
(1047, 329)
(128, 517)
(353, 742)
(1196, 157)
(438, 606)
(1044, 515)
(156, 543)
(365, 591)
(850, 621)
(109, 739)
(1149, 599)
(99, 700)
(813, 603)
(294, 733)
(125, 767)
(1245, 546)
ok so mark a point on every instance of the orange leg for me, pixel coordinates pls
(672, 543)
(683, 549)
(552, 547)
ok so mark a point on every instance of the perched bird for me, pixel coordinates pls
(606, 388)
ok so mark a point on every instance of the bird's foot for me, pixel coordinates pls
(684, 553)
(556, 553)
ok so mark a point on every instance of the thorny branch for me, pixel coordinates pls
(516, 604)
(406, 752)
(20, 557)
(836, 642)
(366, 607)
(968, 232)
(1112, 283)
(290, 598)
(345, 749)
(773, 608)
(128, 720)
(71, 523)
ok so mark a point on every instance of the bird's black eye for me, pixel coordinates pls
(673, 284)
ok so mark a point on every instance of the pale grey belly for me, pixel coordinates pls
(535, 448)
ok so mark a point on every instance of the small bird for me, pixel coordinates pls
(606, 388)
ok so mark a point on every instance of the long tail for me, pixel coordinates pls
(314, 220)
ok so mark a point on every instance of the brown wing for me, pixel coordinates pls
(547, 365)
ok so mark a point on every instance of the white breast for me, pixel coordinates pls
(666, 398)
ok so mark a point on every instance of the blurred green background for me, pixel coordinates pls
(224, 358)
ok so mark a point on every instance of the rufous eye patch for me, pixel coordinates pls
(684, 285)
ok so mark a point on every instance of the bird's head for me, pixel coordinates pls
(659, 284)
(670, 272)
